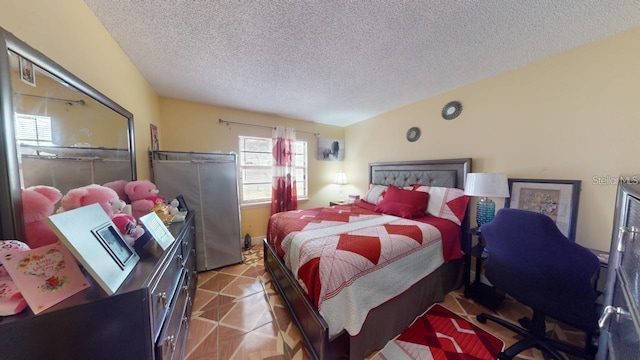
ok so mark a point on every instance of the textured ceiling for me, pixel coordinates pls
(340, 62)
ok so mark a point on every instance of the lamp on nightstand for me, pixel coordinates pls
(340, 179)
(486, 185)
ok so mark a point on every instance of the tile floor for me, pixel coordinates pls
(237, 314)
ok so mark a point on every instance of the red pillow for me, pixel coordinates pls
(403, 203)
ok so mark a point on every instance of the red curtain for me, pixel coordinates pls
(283, 193)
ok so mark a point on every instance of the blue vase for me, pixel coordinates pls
(485, 212)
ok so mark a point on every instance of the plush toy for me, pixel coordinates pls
(144, 197)
(38, 203)
(118, 187)
(175, 213)
(110, 202)
(11, 301)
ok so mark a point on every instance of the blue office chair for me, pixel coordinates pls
(534, 263)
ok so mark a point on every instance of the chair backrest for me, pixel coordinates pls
(533, 262)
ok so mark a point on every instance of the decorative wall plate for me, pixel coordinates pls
(413, 134)
(451, 110)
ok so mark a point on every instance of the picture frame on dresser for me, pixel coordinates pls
(94, 240)
(558, 199)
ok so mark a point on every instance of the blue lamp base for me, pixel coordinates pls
(485, 211)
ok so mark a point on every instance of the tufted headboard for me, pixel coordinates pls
(444, 173)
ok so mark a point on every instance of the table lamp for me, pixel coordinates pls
(486, 185)
(340, 179)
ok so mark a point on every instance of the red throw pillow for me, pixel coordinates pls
(404, 203)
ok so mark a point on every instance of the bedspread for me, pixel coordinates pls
(350, 260)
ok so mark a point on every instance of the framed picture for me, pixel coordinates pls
(94, 240)
(182, 204)
(26, 72)
(114, 243)
(155, 140)
(557, 199)
(157, 229)
(330, 149)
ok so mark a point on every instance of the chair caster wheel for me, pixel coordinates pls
(481, 318)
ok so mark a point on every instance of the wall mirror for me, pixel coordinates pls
(57, 131)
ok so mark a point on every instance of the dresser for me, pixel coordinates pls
(147, 318)
(620, 320)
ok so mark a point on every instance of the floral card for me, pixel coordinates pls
(45, 276)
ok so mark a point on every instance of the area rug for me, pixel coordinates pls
(441, 334)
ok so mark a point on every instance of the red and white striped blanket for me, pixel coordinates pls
(350, 260)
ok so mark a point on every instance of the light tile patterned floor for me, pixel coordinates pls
(237, 314)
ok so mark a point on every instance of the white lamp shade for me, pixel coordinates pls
(340, 179)
(487, 185)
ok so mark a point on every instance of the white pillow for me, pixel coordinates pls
(375, 194)
(446, 203)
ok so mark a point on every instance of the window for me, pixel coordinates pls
(33, 130)
(256, 172)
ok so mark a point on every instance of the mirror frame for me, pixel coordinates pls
(11, 222)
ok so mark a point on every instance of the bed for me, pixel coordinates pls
(392, 316)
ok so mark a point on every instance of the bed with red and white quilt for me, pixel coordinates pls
(361, 272)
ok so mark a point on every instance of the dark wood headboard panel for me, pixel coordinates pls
(445, 173)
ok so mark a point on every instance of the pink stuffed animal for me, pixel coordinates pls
(38, 203)
(144, 197)
(118, 186)
(110, 202)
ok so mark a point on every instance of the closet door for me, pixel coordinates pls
(221, 215)
(210, 188)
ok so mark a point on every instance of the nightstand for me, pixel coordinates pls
(484, 294)
(333, 203)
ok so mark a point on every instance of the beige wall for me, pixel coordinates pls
(571, 116)
(187, 126)
(68, 33)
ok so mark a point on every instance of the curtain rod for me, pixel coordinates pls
(262, 126)
(68, 101)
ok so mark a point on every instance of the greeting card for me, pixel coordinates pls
(45, 276)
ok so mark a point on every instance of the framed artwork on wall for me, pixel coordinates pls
(557, 199)
(330, 149)
(26, 72)
(155, 139)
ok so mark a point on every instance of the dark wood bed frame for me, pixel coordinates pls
(313, 328)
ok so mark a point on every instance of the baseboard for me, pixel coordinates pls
(257, 240)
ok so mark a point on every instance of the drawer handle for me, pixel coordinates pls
(171, 341)
(163, 299)
(179, 257)
(606, 314)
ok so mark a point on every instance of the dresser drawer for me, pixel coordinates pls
(623, 336)
(162, 292)
(171, 342)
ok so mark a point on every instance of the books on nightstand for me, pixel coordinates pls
(353, 198)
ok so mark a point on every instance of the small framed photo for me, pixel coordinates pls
(114, 243)
(155, 139)
(557, 199)
(26, 72)
(158, 230)
(182, 204)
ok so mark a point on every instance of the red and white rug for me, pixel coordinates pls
(441, 334)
